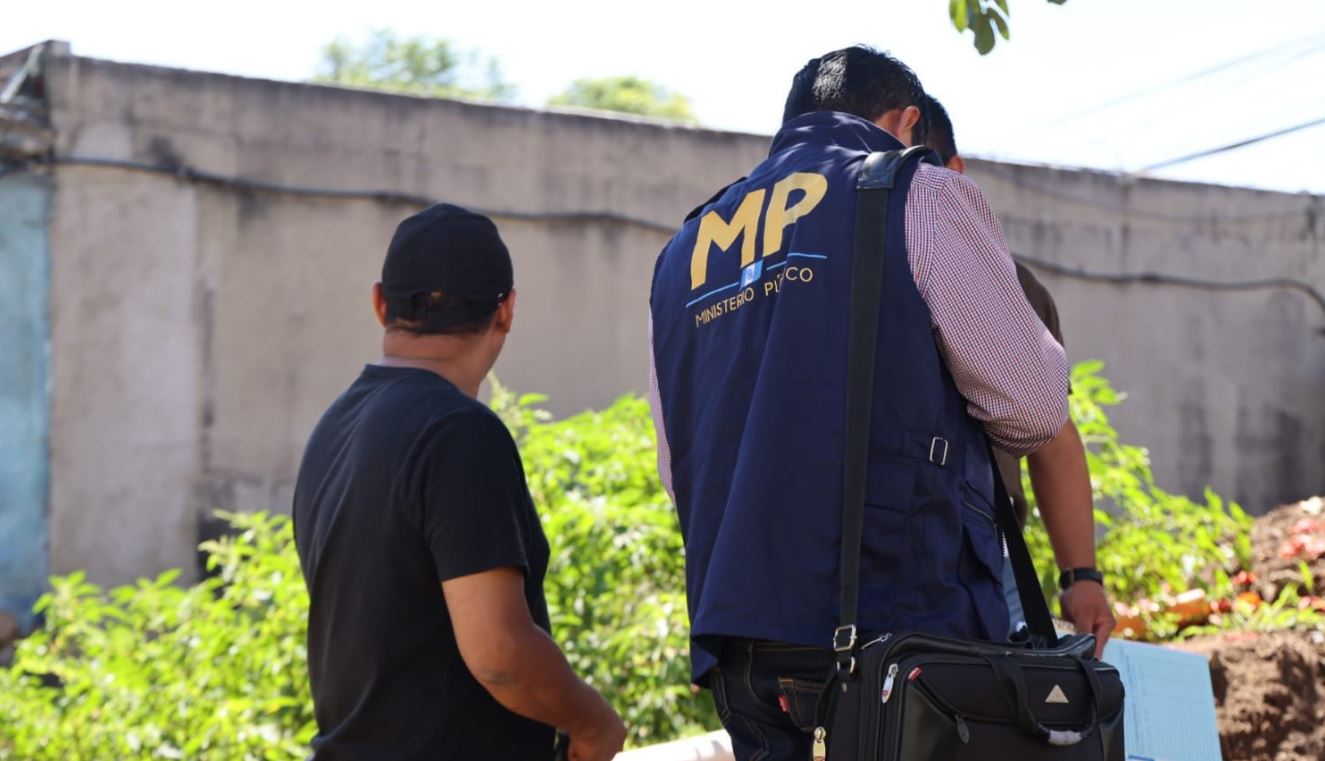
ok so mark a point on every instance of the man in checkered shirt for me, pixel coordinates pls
(749, 322)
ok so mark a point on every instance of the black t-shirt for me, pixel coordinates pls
(405, 483)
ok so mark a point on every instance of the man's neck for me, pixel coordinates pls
(463, 378)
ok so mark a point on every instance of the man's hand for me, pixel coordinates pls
(522, 668)
(1086, 605)
(602, 737)
(1062, 487)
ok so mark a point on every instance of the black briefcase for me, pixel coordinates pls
(916, 696)
(909, 696)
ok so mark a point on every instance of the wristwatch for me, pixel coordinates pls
(1073, 575)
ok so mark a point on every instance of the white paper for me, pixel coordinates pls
(1170, 708)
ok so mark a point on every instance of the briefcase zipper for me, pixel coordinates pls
(820, 750)
(874, 712)
(888, 681)
(959, 721)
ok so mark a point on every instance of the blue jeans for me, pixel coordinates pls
(1016, 613)
(766, 694)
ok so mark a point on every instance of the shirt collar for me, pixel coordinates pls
(833, 128)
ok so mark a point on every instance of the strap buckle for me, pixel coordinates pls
(849, 632)
(938, 454)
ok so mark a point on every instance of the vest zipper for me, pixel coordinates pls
(987, 516)
(876, 641)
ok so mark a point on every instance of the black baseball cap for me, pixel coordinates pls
(450, 251)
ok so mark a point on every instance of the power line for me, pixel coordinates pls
(1234, 146)
(1180, 281)
(241, 184)
(1191, 78)
(1011, 178)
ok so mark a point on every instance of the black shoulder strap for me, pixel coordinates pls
(1038, 619)
(873, 188)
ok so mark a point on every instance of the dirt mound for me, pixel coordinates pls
(1269, 694)
(1285, 538)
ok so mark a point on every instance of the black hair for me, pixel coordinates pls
(858, 80)
(940, 137)
(446, 316)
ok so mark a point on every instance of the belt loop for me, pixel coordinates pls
(938, 451)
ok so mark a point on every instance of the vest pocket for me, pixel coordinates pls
(890, 485)
(981, 568)
(892, 543)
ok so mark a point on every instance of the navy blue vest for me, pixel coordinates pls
(749, 306)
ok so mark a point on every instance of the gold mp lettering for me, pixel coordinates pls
(714, 229)
(780, 214)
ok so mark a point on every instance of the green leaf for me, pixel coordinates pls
(958, 13)
(1001, 23)
(984, 35)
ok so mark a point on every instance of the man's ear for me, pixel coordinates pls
(505, 318)
(910, 118)
(900, 123)
(379, 304)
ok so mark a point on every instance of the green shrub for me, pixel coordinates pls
(1151, 543)
(151, 670)
(616, 583)
(219, 670)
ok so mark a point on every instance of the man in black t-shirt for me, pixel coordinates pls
(419, 543)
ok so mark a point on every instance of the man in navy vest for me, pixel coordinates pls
(749, 332)
(1058, 471)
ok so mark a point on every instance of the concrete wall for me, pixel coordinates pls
(1226, 389)
(201, 329)
(207, 329)
(24, 286)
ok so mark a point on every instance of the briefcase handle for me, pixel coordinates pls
(1013, 681)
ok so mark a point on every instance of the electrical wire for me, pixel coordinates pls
(1234, 146)
(240, 184)
(1201, 74)
(190, 174)
(1179, 281)
(1011, 178)
(387, 196)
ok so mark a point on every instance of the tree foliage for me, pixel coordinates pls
(630, 95)
(422, 65)
(983, 18)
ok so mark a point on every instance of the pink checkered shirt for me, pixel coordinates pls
(1002, 358)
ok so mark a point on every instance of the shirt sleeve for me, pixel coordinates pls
(468, 485)
(1041, 301)
(1003, 360)
(655, 408)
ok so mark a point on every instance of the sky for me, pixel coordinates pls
(1106, 84)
